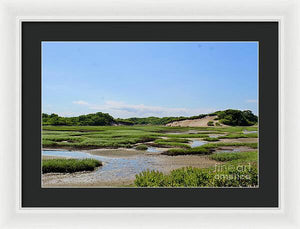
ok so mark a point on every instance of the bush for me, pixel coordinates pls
(237, 118)
(197, 177)
(97, 119)
(210, 123)
(150, 179)
(141, 147)
(69, 165)
(217, 124)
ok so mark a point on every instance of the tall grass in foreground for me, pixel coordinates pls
(69, 165)
(239, 170)
(197, 177)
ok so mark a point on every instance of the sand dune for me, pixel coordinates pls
(195, 122)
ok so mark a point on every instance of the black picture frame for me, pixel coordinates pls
(266, 195)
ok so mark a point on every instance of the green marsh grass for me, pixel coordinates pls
(87, 137)
(209, 139)
(141, 147)
(239, 135)
(196, 150)
(241, 157)
(170, 143)
(69, 165)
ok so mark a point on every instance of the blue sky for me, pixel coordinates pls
(141, 79)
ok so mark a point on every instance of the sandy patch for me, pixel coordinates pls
(115, 152)
(240, 140)
(169, 163)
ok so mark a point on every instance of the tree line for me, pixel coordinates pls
(229, 117)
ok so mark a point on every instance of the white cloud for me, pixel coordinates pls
(251, 101)
(124, 110)
(81, 102)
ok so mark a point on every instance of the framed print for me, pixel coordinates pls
(139, 60)
(167, 110)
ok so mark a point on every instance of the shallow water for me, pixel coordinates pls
(112, 169)
(249, 132)
(153, 150)
(229, 151)
(197, 143)
(213, 136)
(185, 132)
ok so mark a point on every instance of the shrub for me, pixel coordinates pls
(210, 123)
(237, 118)
(141, 147)
(150, 179)
(217, 124)
(69, 165)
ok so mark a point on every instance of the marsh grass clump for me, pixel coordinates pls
(141, 147)
(180, 140)
(196, 150)
(169, 143)
(206, 148)
(220, 144)
(186, 135)
(241, 157)
(69, 165)
(209, 139)
(239, 135)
